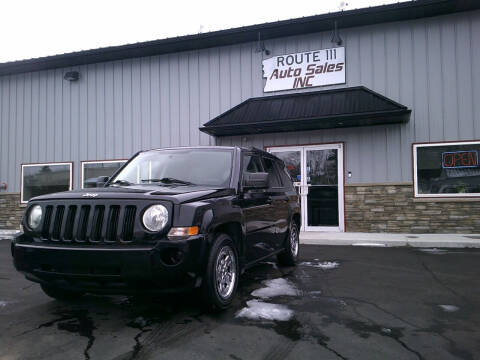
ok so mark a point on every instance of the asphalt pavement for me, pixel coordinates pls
(340, 302)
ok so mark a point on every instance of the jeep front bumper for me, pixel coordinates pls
(167, 266)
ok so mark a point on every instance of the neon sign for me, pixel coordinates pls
(460, 159)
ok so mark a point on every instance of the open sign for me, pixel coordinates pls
(460, 159)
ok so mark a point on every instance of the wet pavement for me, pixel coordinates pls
(339, 303)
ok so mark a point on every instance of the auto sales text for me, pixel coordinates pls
(303, 80)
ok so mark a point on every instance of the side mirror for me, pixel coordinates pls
(255, 180)
(96, 182)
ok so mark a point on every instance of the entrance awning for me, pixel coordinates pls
(338, 108)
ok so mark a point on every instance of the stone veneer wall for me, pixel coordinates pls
(10, 211)
(391, 208)
(368, 208)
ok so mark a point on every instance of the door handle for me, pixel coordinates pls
(304, 190)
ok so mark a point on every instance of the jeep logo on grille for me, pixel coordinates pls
(90, 195)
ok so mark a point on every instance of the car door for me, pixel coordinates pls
(279, 201)
(258, 213)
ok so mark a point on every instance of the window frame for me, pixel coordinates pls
(62, 163)
(416, 195)
(83, 162)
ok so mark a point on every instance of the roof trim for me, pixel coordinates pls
(345, 19)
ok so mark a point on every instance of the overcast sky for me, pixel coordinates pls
(34, 28)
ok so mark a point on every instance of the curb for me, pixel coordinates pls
(392, 240)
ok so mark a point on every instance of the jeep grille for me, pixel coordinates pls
(89, 223)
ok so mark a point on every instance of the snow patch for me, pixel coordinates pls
(258, 310)
(276, 287)
(434, 251)
(370, 244)
(325, 265)
(3, 304)
(449, 308)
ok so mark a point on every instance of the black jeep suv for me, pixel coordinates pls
(169, 219)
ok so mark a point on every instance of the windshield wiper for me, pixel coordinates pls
(121, 182)
(168, 180)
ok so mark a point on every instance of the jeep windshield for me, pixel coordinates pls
(179, 167)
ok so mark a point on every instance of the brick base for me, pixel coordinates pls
(391, 208)
(10, 211)
(368, 208)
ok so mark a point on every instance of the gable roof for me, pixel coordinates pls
(345, 19)
(337, 108)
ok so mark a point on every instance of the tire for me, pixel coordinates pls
(61, 294)
(288, 256)
(218, 295)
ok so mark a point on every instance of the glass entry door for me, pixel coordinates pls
(318, 171)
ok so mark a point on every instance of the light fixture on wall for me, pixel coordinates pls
(261, 46)
(336, 39)
(71, 76)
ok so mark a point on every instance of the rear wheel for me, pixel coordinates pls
(289, 255)
(61, 294)
(221, 276)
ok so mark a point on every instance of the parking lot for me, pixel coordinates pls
(338, 303)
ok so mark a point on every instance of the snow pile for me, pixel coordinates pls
(449, 308)
(325, 265)
(258, 310)
(276, 287)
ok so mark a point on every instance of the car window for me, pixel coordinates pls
(273, 179)
(210, 167)
(285, 177)
(252, 164)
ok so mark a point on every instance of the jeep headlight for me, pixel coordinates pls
(35, 217)
(155, 217)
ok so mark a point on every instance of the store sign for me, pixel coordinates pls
(459, 159)
(305, 69)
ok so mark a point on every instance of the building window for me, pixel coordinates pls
(447, 169)
(93, 169)
(45, 178)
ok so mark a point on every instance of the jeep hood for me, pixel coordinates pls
(174, 193)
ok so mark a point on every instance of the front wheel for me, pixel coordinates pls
(289, 255)
(61, 294)
(221, 276)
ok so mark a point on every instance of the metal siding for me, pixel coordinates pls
(464, 79)
(137, 120)
(203, 94)
(183, 100)
(475, 66)
(117, 108)
(155, 101)
(109, 118)
(449, 88)
(165, 117)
